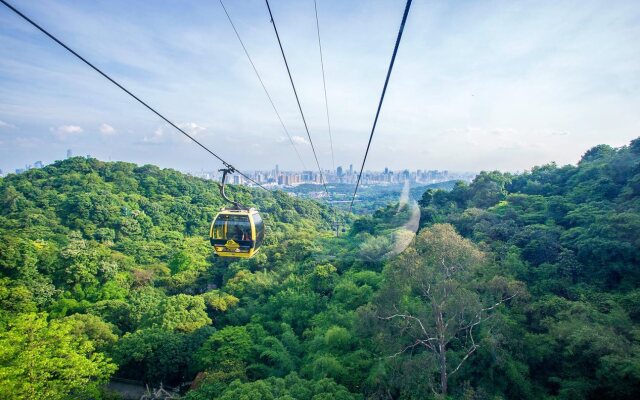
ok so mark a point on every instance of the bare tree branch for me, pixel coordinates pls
(406, 316)
(500, 302)
(426, 292)
(473, 348)
(428, 345)
(411, 346)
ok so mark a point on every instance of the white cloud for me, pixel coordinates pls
(64, 132)
(69, 129)
(167, 134)
(155, 138)
(299, 140)
(6, 124)
(107, 130)
(192, 128)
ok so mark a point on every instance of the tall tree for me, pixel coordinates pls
(432, 302)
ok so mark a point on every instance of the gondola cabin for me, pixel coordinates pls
(237, 233)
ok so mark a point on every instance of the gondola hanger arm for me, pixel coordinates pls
(225, 171)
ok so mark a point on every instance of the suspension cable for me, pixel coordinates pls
(295, 92)
(384, 90)
(55, 39)
(246, 52)
(324, 84)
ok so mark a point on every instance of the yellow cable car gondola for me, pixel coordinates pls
(236, 231)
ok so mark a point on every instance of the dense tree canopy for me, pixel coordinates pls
(46, 360)
(516, 286)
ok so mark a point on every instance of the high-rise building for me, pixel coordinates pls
(350, 169)
(307, 176)
(69, 153)
(339, 171)
(277, 170)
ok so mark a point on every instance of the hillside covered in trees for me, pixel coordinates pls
(515, 287)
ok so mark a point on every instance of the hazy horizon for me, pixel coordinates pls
(475, 87)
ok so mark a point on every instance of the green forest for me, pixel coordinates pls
(516, 286)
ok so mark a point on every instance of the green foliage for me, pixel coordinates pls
(291, 388)
(117, 255)
(46, 360)
(233, 343)
(219, 301)
(183, 313)
(212, 383)
(433, 301)
(571, 234)
(153, 355)
(92, 328)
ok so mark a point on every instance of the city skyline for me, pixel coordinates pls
(284, 177)
(290, 178)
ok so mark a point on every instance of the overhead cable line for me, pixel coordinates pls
(384, 90)
(98, 70)
(263, 85)
(324, 84)
(295, 92)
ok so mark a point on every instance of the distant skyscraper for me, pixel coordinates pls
(339, 171)
(69, 153)
(277, 170)
(350, 169)
(386, 170)
(307, 176)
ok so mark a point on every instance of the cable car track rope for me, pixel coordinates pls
(246, 52)
(324, 85)
(295, 92)
(153, 110)
(384, 90)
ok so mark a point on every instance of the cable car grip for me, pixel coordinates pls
(225, 171)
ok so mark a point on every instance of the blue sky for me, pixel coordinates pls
(477, 85)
